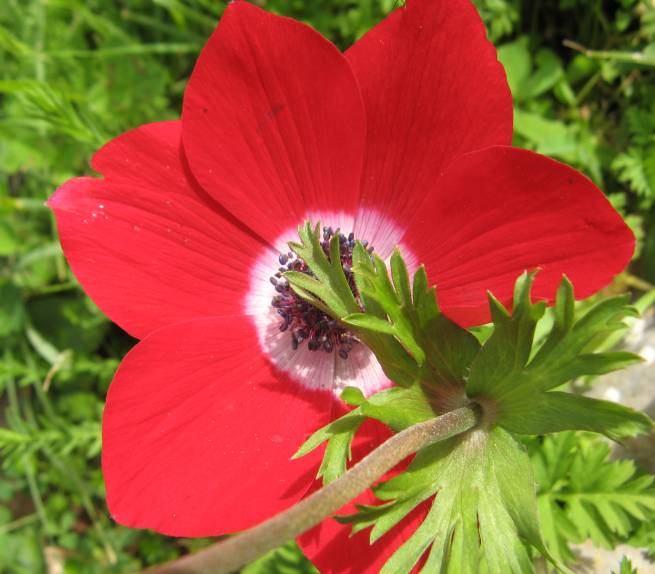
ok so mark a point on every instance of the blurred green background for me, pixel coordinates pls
(74, 73)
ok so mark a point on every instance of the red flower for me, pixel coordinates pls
(402, 140)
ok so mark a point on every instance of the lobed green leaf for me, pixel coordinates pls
(515, 379)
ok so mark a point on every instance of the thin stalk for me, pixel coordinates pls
(18, 523)
(639, 58)
(37, 499)
(235, 552)
(129, 50)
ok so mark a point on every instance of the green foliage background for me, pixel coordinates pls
(74, 73)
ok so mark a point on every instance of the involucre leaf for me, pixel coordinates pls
(515, 381)
(483, 507)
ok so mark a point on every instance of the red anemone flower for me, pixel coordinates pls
(403, 140)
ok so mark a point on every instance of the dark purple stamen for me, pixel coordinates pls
(304, 321)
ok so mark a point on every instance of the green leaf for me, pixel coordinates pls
(312, 291)
(548, 73)
(329, 284)
(642, 304)
(442, 348)
(285, 560)
(68, 323)
(375, 287)
(369, 323)
(527, 81)
(347, 424)
(559, 411)
(513, 379)
(516, 59)
(583, 494)
(353, 396)
(400, 320)
(12, 310)
(507, 352)
(336, 457)
(626, 567)
(449, 348)
(400, 278)
(399, 407)
(484, 506)
(636, 167)
(328, 289)
(366, 517)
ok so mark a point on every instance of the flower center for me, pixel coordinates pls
(301, 319)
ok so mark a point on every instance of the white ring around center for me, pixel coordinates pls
(318, 370)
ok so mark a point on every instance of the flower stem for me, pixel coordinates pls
(235, 552)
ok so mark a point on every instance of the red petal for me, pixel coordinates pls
(498, 212)
(146, 245)
(199, 429)
(433, 89)
(148, 156)
(273, 121)
(331, 546)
